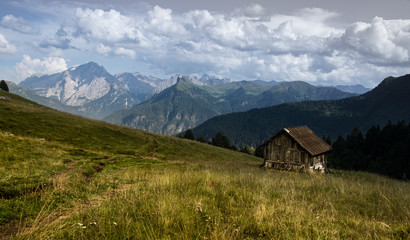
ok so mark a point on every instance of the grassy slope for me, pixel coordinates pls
(63, 176)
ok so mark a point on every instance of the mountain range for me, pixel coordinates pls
(389, 101)
(186, 104)
(91, 91)
(166, 106)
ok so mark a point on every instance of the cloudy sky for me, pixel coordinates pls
(318, 41)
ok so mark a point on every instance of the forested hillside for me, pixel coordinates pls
(381, 150)
(388, 101)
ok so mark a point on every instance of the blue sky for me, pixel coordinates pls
(317, 41)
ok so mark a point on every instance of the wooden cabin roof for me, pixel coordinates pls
(307, 139)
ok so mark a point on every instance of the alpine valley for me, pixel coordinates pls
(167, 106)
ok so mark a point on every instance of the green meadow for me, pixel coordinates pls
(68, 177)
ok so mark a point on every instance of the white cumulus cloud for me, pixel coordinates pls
(381, 41)
(5, 46)
(308, 22)
(103, 49)
(161, 21)
(49, 65)
(126, 52)
(109, 26)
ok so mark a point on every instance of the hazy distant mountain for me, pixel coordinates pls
(359, 89)
(388, 101)
(298, 91)
(137, 83)
(202, 81)
(266, 83)
(213, 81)
(356, 89)
(186, 104)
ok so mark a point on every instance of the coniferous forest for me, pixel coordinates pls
(381, 150)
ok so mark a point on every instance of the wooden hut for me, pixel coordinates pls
(297, 148)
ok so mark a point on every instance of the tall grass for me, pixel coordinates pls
(191, 201)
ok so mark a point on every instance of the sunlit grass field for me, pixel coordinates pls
(67, 177)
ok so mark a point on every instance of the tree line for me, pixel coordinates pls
(381, 150)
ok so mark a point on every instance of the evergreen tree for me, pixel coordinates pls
(3, 86)
(234, 148)
(372, 141)
(327, 139)
(355, 140)
(201, 139)
(385, 151)
(386, 137)
(259, 151)
(189, 134)
(221, 141)
(355, 146)
(339, 144)
(336, 158)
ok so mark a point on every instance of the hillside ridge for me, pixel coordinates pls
(388, 101)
